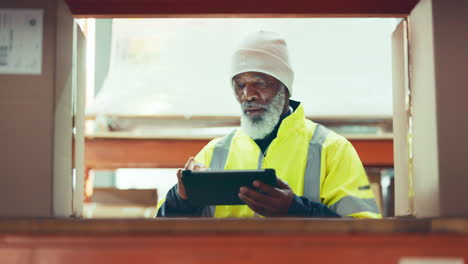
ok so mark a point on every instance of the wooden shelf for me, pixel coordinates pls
(206, 226)
(143, 152)
(212, 241)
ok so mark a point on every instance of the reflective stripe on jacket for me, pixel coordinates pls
(316, 163)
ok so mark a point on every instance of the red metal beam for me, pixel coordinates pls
(360, 8)
(374, 153)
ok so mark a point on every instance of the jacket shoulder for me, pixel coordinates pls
(333, 139)
(204, 156)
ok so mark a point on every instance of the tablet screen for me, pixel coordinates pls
(222, 187)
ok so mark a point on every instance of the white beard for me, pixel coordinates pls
(260, 127)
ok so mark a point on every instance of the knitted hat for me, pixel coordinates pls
(264, 52)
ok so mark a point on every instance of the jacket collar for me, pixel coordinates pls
(294, 121)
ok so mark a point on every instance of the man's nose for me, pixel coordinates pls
(250, 93)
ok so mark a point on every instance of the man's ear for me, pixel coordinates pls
(286, 91)
(286, 99)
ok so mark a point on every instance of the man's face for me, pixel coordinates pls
(255, 92)
(263, 100)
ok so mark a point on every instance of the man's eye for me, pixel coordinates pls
(261, 83)
(240, 85)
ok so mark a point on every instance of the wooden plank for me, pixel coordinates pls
(450, 225)
(259, 8)
(209, 226)
(113, 153)
(404, 202)
(229, 249)
(140, 153)
(236, 118)
(171, 135)
(226, 241)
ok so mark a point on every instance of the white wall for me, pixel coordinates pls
(180, 66)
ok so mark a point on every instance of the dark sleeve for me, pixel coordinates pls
(174, 206)
(303, 207)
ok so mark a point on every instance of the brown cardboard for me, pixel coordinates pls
(450, 18)
(97, 210)
(62, 168)
(32, 111)
(438, 61)
(118, 203)
(26, 107)
(79, 115)
(403, 202)
(147, 197)
(423, 89)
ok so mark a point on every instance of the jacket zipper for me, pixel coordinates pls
(261, 157)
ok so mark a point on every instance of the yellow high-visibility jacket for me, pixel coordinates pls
(316, 163)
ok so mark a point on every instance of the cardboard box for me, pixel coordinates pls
(36, 126)
(145, 197)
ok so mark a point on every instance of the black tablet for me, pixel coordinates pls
(221, 187)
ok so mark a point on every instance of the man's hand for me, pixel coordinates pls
(273, 202)
(190, 165)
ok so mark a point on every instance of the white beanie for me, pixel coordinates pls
(264, 52)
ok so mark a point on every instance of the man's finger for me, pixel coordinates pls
(260, 199)
(282, 184)
(258, 210)
(252, 204)
(190, 164)
(179, 174)
(248, 200)
(270, 190)
(199, 166)
(180, 185)
(194, 166)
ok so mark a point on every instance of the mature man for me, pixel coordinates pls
(319, 172)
